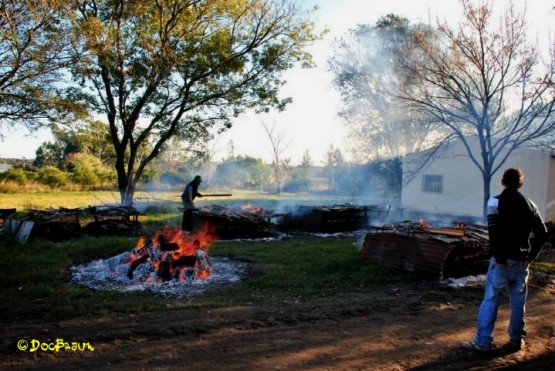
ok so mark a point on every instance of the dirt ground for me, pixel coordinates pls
(417, 326)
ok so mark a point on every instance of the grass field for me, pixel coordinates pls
(57, 199)
(35, 284)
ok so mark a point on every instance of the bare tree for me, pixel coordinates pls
(333, 161)
(278, 146)
(364, 64)
(483, 81)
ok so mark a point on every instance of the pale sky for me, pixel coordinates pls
(311, 122)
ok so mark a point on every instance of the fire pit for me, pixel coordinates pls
(172, 263)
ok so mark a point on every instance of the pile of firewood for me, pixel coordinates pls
(417, 247)
(331, 219)
(233, 223)
(63, 223)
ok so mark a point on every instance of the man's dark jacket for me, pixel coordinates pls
(512, 218)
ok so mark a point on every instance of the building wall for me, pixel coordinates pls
(462, 192)
(550, 212)
(4, 167)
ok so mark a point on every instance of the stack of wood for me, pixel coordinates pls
(331, 219)
(55, 224)
(112, 212)
(63, 223)
(234, 223)
(113, 220)
(440, 252)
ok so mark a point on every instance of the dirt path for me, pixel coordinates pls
(416, 327)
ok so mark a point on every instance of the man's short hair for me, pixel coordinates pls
(513, 178)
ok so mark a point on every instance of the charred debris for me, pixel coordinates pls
(64, 223)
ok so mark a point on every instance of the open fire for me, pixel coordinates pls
(174, 255)
(171, 264)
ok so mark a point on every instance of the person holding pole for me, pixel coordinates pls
(187, 198)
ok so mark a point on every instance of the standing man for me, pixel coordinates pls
(187, 197)
(511, 219)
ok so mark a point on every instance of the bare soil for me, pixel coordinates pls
(416, 326)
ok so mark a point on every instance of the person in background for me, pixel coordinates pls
(187, 198)
(512, 218)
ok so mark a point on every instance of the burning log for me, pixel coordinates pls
(164, 270)
(173, 255)
(135, 263)
(439, 252)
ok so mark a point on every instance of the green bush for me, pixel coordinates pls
(15, 175)
(53, 177)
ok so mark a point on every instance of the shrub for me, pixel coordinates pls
(15, 175)
(53, 177)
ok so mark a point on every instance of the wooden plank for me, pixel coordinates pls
(12, 226)
(445, 231)
(24, 232)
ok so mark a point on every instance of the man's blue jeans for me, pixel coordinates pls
(514, 276)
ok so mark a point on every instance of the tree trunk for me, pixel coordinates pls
(126, 185)
(487, 184)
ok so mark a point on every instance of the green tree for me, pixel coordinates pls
(49, 154)
(485, 83)
(32, 53)
(54, 153)
(88, 170)
(242, 172)
(93, 138)
(157, 69)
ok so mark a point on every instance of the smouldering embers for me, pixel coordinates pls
(171, 264)
(174, 255)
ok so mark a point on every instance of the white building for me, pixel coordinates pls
(4, 167)
(451, 184)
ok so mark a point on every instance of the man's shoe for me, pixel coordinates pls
(515, 345)
(475, 347)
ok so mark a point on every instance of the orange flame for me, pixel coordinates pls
(187, 246)
(252, 209)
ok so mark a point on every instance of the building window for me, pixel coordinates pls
(432, 184)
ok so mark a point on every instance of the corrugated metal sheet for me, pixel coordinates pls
(423, 254)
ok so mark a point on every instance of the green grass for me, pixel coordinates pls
(35, 277)
(35, 284)
(300, 268)
(57, 199)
